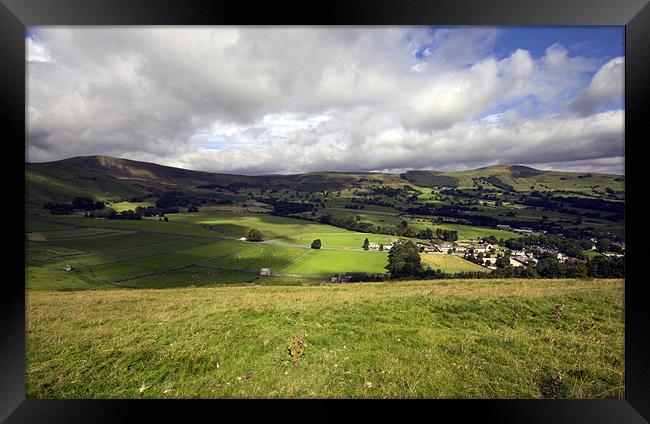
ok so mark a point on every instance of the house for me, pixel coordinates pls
(373, 246)
(523, 230)
(429, 249)
(67, 268)
(388, 246)
(335, 278)
(522, 259)
(242, 238)
(516, 262)
(445, 247)
(265, 271)
(503, 227)
(481, 248)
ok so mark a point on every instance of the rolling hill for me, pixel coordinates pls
(109, 179)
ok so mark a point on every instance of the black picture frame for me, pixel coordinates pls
(16, 15)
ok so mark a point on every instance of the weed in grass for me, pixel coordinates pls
(297, 349)
(513, 320)
(557, 314)
(553, 387)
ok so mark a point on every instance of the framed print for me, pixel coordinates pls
(371, 201)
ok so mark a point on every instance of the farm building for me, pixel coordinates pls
(335, 278)
(516, 262)
(445, 247)
(67, 268)
(481, 248)
(503, 227)
(265, 271)
(373, 246)
(388, 246)
(242, 238)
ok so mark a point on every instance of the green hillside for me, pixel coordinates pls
(521, 178)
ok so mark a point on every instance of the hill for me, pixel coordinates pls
(110, 178)
(518, 178)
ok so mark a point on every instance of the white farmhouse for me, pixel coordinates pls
(445, 247)
(265, 271)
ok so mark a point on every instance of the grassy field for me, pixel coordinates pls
(342, 239)
(323, 263)
(109, 254)
(450, 263)
(465, 232)
(272, 227)
(125, 206)
(433, 339)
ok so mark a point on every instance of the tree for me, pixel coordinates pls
(254, 235)
(366, 244)
(403, 227)
(316, 244)
(549, 267)
(404, 260)
(502, 263)
(166, 219)
(381, 247)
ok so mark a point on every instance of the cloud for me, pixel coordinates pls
(295, 99)
(37, 52)
(606, 88)
(352, 148)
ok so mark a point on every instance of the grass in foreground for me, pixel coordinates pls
(439, 339)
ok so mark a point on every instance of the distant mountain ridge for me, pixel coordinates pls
(106, 177)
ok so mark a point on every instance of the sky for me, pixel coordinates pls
(285, 100)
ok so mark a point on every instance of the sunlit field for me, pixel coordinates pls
(432, 339)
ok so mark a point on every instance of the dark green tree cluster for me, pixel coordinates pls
(254, 235)
(404, 260)
(59, 208)
(110, 213)
(155, 211)
(78, 203)
(316, 244)
(447, 235)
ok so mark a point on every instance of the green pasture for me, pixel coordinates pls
(261, 256)
(465, 232)
(192, 276)
(125, 206)
(450, 263)
(343, 239)
(272, 227)
(322, 263)
(421, 339)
